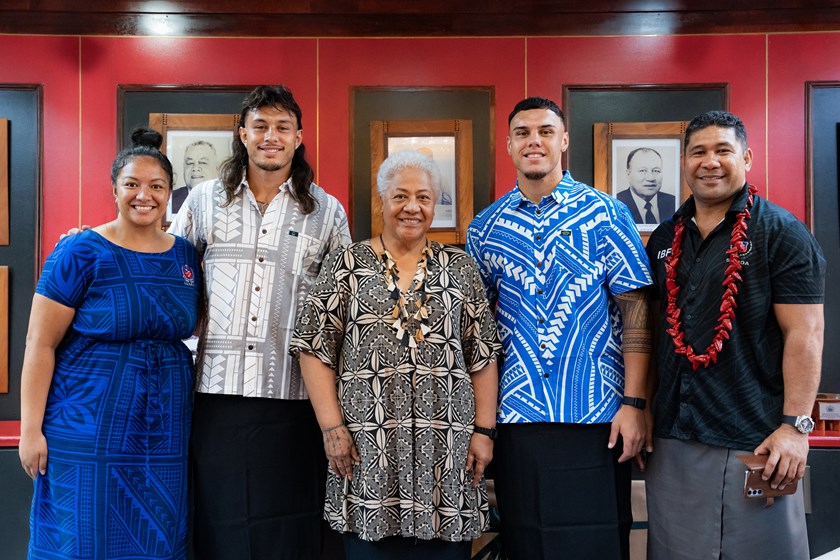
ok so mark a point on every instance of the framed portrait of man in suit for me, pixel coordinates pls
(196, 157)
(646, 177)
(639, 164)
(196, 144)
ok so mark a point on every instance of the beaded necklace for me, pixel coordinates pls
(731, 282)
(404, 316)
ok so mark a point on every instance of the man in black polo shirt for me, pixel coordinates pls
(740, 285)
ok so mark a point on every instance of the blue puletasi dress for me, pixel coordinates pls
(118, 413)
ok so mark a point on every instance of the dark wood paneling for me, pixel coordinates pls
(431, 18)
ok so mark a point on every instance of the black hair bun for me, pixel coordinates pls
(146, 137)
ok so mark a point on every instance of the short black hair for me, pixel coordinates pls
(530, 103)
(722, 119)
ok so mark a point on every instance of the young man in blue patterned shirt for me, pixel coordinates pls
(566, 268)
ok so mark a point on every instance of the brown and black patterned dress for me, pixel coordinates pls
(410, 410)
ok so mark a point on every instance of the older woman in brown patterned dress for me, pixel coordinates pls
(398, 350)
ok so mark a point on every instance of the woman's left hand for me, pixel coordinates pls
(479, 456)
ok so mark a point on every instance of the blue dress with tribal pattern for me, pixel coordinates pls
(117, 418)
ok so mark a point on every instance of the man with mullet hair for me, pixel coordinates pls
(565, 267)
(263, 228)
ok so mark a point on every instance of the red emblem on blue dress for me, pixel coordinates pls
(188, 275)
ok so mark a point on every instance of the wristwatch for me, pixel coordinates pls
(489, 432)
(802, 423)
(634, 402)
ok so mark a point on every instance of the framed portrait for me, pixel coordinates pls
(449, 144)
(196, 144)
(639, 164)
(4, 181)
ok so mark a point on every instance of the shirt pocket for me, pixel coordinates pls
(311, 255)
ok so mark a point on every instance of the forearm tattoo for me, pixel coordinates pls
(638, 333)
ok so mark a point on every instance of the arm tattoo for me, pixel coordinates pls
(638, 334)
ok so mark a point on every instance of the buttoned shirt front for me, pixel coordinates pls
(258, 269)
(551, 268)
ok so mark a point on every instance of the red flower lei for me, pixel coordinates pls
(731, 282)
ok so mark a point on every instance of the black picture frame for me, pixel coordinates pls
(822, 184)
(23, 105)
(587, 104)
(371, 104)
(135, 102)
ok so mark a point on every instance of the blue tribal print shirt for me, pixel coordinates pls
(551, 268)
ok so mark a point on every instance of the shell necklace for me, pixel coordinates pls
(413, 312)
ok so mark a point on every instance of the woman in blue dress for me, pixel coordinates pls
(106, 383)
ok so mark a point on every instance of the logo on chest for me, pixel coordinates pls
(189, 276)
(664, 253)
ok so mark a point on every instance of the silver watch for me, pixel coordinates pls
(805, 424)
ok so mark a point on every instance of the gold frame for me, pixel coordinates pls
(164, 122)
(189, 122)
(461, 130)
(605, 133)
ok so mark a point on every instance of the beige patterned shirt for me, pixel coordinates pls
(257, 271)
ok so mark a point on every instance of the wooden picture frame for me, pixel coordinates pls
(4, 182)
(450, 143)
(196, 144)
(4, 329)
(617, 145)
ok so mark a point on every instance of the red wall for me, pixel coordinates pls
(80, 75)
(345, 63)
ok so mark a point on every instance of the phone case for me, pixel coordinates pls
(754, 486)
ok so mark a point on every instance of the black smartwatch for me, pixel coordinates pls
(489, 432)
(634, 402)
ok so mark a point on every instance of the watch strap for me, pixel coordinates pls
(634, 402)
(489, 432)
(803, 424)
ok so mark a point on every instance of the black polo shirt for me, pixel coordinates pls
(737, 402)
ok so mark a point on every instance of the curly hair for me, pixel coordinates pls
(231, 170)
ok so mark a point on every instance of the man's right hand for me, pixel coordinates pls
(647, 446)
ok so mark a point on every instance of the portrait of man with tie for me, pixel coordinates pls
(644, 196)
